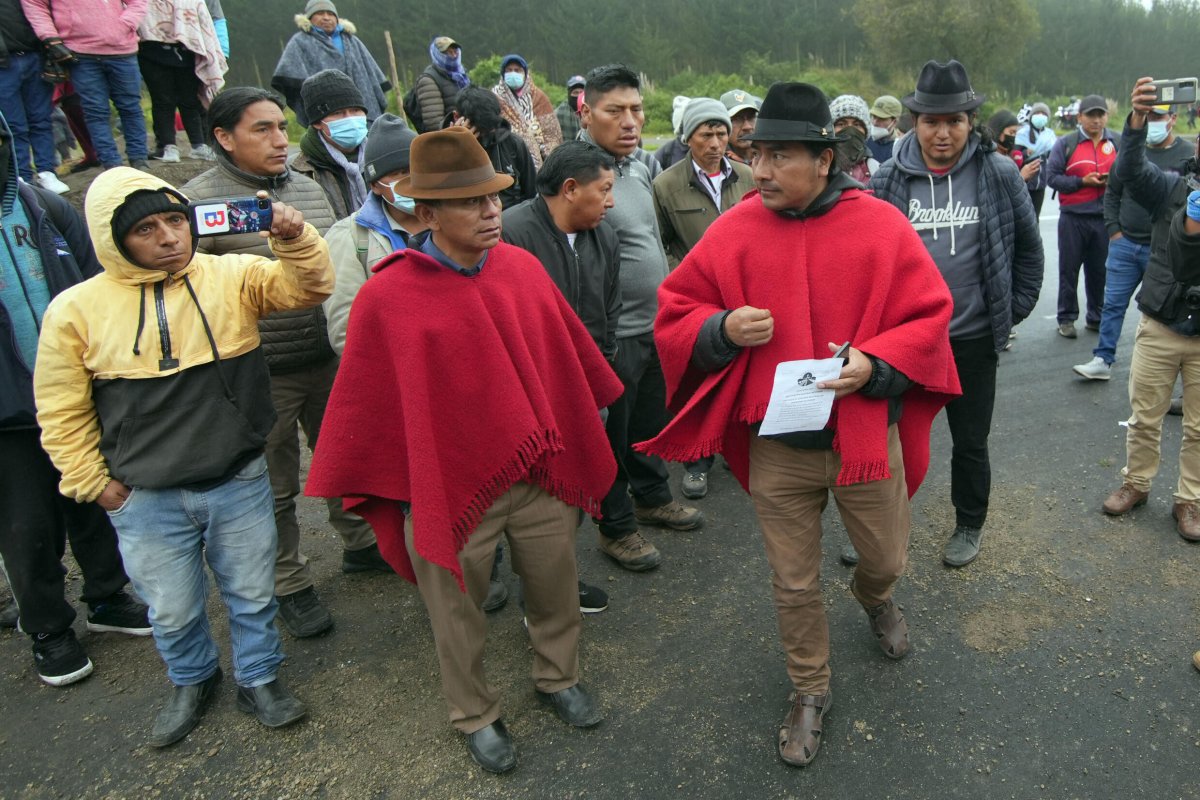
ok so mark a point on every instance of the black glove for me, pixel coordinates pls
(54, 73)
(57, 52)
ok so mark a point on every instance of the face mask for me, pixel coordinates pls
(514, 80)
(399, 201)
(1039, 121)
(1007, 142)
(348, 132)
(878, 133)
(1156, 132)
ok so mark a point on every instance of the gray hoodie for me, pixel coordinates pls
(944, 211)
(643, 262)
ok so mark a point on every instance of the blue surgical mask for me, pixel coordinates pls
(1039, 121)
(1156, 132)
(399, 201)
(514, 80)
(348, 132)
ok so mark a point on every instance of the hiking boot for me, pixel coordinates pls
(673, 515)
(592, 599)
(631, 551)
(1094, 370)
(202, 152)
(119, 614)
(367, 559)
(272, 703)
(302, 614)
(182, 711)
(1125, 499)
(695, 485)
(169, 154)
(59, 658)
(1187, 521)
(1067, 330)
(963, 547)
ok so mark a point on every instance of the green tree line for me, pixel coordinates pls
(1015, 48)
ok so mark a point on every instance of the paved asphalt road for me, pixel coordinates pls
(1057, 666)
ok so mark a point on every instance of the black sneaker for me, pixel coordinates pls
(120, 614)
(59, 658)
(367, 559)
(592, 599)
(303, 615)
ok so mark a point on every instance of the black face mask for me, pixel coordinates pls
(1007, 142)
(853, 150)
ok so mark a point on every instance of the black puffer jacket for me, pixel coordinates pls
(292, 340)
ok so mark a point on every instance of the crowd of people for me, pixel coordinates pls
(601, 311)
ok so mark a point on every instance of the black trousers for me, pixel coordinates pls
(171, 88)
(639, 414)
(35, 522)
(970, 420)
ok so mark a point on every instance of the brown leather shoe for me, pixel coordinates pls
(800, 733)
(1187, 521)
(889, 627)
(1124, 500)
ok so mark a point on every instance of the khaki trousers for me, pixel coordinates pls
(541, 538)
(790, 489)
(1159, 356)
(300, 397)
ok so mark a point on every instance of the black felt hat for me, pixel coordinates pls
(943, 89)
(794, 112)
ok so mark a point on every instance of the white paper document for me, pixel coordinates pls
(796, 403)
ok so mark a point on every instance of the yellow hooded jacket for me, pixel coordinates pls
(126, 383)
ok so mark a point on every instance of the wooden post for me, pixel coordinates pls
(387, 36)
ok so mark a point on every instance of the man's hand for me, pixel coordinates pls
(57, 52)
(1115, 236)
(1142, 99)
(286, 222)
(114, 495)
(1031, 168)
(855, 374)
(749, 326)
(1094, 179)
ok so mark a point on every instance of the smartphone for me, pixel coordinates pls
(1176, 91)
(236, 215)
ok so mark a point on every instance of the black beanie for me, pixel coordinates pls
(329, 91)
(1000, 120)
(387, 147)
(141, 204)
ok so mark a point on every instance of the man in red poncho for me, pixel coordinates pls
(467, 407)
(807, 263)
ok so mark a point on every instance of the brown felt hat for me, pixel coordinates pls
(449, 165)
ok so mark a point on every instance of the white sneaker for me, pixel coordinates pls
(1094, 370)
(50, 182)
(202, 152)
(170, 154)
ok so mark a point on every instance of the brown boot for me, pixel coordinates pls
(1124, 500)
(800, 733)
(1187, 521)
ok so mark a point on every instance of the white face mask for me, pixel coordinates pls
(1156, 132)
(878, 133)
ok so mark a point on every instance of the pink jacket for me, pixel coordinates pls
(89, 27)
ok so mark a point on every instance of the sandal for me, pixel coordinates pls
(800, 733)
(889, 627)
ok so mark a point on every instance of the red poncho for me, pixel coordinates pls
(857, 273)
(452, 389)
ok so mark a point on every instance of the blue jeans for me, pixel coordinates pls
(1123, 272)
(26, 102)
(112, 78)
(166, 535)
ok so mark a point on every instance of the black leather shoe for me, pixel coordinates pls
(574, 706)
(272, 703)
(492, 748)
(183, 711)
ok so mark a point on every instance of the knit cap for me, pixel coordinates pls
(850, 105)
(327, 92)
(1000, 120)
(700, 110)
(141, 204)
(513, 58)
(313, 6)
(387, 147)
